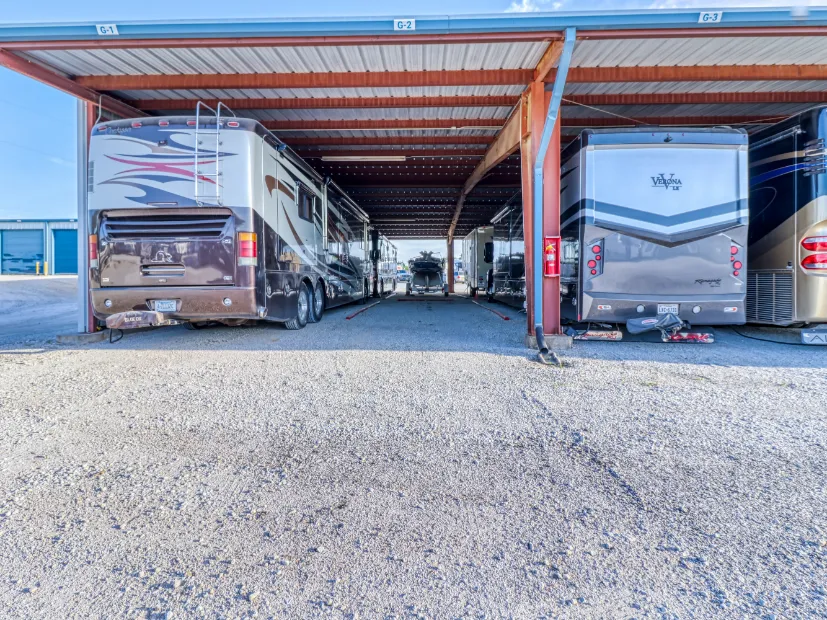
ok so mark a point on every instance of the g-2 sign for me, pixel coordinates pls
(404, 24)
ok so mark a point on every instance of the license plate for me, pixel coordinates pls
(165, 305)
(668, 309)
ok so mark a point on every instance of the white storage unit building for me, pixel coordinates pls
(25, 243)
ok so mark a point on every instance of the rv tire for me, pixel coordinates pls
(317, 303)
(303, 304)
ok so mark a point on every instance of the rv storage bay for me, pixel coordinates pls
(414, 460)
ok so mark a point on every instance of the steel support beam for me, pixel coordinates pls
(496, 77)
(696, 98)
(50, 78)
(395, 141)
(328, 103)
(385, 124)
(85, 120)
(547, 62)
(449, 268)
(546, 204)
(674, 121)
(695, 73)
(410, 153)
(365, 79)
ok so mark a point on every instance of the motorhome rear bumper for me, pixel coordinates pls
(192, 302)
(714, 309)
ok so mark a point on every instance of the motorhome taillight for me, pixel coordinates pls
(93, 251)
(737, 264)
(595, 263)
(247, 249)
(815, 261)
(815, 244)
(233, 124)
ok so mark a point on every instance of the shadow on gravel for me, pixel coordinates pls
(454, 324)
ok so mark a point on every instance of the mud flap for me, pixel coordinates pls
(138, 318)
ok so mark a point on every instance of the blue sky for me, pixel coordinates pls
(37, 123)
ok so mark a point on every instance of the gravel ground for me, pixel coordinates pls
(414, 461)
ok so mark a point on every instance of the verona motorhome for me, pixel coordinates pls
(201, 219)
(654, 222)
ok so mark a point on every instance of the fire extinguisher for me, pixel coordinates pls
(551, 256)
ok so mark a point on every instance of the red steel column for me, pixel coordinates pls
(533, 114)
(551, 228)
(534, 103)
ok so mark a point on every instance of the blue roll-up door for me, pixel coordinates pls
(65, 251)
(21, 250)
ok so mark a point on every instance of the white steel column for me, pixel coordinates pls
(83, 219)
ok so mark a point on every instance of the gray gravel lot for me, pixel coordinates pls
(412, 461)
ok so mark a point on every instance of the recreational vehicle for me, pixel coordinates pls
(654, 223)
(199, 219)
(506, 275)
(427, 275)
(787, 277)
(385, 265)
(478, 256)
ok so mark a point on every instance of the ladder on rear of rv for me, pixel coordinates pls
(201, 154)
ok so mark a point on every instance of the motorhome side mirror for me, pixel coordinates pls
(374, 255)
(488, 252)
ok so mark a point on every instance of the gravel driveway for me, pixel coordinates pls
(414, 461)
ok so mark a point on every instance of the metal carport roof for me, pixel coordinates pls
(440, 95)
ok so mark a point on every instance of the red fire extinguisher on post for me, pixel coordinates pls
(551, 256)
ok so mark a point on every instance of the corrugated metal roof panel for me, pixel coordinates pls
(701, 51)
(444, 57)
